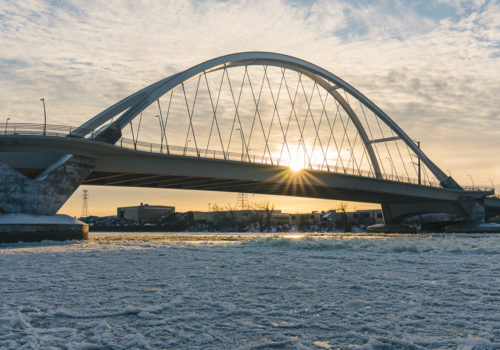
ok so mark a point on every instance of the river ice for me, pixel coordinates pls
(202, 291)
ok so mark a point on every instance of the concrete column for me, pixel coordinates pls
(45, 194)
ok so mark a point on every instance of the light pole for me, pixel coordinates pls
(419, 167)
(471, 181)
(186, 148)
(6, 123)
(161, 133)
(44, 117)
(242, 144)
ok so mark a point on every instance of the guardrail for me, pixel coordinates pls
(66, 131)
(42, 129)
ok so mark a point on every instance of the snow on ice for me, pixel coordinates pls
(252, 291)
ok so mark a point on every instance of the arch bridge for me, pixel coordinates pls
(254, 122)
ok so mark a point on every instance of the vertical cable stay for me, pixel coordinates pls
(236, 114)
(346, 136)
(308, 112)
(166, 118)
(214, 109)
(362, 158)
(426, 176)
(400, 156)
(301, 129)
(332, 135)
(292, 111)
(257, 113)
(162, 127)
(318, 137)
(275, 102)
(385, 143)
(331, 128)
(415, 169)
(213, 112)
(190, 115)
(139, 128)
(371, 137)
(275, 111)
(133, 137)
(355, 164)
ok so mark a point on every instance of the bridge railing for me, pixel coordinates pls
(255, 159)
(42, 129)
(478, 188)
(66, 131)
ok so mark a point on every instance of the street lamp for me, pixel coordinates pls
(161, 133)
(186, 147)
(242, 144)
(44, 117)
(419, 166)
(6, 123)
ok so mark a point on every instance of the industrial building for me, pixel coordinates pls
(144, 213)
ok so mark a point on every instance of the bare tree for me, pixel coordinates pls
(344, 222)
(262, 215)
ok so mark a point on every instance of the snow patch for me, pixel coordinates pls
(38, 219)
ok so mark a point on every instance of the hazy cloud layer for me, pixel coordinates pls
(434, 67)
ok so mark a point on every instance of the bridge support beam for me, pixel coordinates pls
(29, 206)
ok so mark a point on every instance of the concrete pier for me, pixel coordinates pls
(36, 228)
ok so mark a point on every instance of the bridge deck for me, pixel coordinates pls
(117, 166)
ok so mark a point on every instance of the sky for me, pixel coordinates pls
(432, 66)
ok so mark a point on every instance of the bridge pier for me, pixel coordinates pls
(467, 215)
(29, 205)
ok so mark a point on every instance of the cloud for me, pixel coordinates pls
(429, 71)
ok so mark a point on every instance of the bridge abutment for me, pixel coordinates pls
(29, 205)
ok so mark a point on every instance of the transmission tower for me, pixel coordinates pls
(242, 201)
(85, 205)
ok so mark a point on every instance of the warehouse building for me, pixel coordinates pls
(144, 213)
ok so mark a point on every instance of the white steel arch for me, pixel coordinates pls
(133, 105)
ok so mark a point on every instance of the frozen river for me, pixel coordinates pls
(293, 291)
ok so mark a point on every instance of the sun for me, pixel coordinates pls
(297, 164)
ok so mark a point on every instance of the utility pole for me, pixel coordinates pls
(85, 205)
(419, 168)
(44, 117)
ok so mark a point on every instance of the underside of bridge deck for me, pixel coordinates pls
(291, 188)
